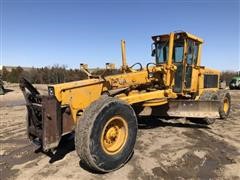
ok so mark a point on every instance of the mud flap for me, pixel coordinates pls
(192, 108)
(51, 118)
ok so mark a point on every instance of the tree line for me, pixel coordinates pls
(49, 75)
(59, 74)
(228, 75)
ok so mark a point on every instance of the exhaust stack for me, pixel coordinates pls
(124, 60)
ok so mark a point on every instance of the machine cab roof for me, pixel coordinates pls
(178, 34)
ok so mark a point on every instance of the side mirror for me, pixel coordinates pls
(153, 52)
(153, 49)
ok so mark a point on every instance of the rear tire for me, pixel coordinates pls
(105, 134)
(225, 101)
(209, 96)
(225, 104)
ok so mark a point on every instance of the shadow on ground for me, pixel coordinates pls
(67, 145)
(154, 122)
(7, 90)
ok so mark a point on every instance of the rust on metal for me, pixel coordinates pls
(67, 121)
(51, 115)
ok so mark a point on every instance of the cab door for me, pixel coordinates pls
(178, 57)
(190, 63)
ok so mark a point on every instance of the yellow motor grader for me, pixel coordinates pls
(102, 110)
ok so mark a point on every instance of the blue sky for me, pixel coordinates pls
(41, 33)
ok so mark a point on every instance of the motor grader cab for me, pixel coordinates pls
(184, 55)
(103, 110)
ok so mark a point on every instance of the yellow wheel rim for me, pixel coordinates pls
(114, 135)
(225, 105)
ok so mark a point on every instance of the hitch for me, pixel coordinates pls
(43, 116)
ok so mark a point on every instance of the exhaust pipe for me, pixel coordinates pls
(124, 60)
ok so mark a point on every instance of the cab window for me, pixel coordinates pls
(161, 52)
(192, 52)
(178, 51)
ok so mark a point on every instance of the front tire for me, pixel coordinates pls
(105, 134)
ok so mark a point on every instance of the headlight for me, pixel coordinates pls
(150, 75)
(51, 91)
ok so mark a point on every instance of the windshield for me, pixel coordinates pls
(161, 52)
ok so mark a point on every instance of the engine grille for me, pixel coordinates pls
(210, 81)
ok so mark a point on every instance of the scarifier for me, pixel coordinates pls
(103, 110)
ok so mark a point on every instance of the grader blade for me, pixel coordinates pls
(194, 109)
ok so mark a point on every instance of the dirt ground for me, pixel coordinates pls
(164, 149)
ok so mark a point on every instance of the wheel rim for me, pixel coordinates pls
(225, 105)
(114, 135)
